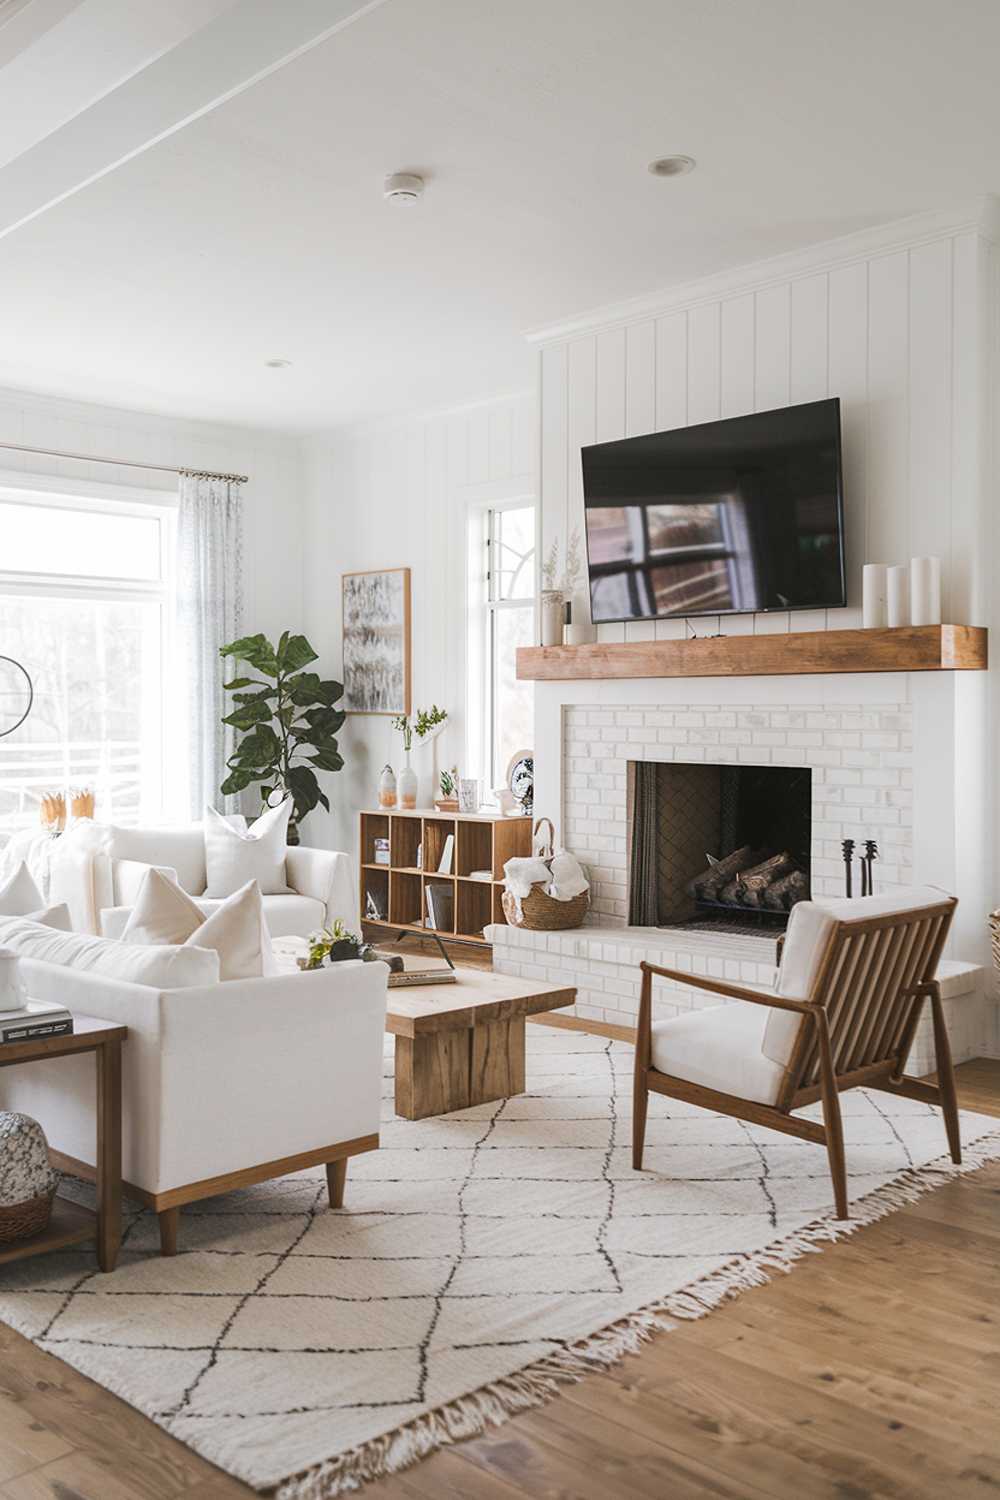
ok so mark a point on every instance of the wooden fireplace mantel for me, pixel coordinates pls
(907, 648)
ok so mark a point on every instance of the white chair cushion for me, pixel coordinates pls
(235, 930)
(182, 849)
(167, 968)
(720, 1048)
(809, 929)
(232, 856)
(294, 915)
(19, 894)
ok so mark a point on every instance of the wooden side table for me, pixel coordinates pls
(70, 1224)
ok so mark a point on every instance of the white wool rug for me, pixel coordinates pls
(481, 1258)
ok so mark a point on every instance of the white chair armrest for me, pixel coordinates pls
(328, 876)
(127, 878)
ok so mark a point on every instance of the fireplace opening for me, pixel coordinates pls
(718, 845)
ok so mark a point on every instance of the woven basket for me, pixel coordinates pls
(542, 913)
(994, 924)
(21, 1220)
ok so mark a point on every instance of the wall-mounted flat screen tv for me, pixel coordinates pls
(729, 517)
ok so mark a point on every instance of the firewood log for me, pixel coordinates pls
(706, 887)
(782, 894)
(755, 882)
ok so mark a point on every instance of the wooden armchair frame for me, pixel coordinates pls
(860, 1021)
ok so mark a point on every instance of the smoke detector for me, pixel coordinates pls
(402, 187)
(671, 166)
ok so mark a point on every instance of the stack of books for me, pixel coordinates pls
(34, 1022)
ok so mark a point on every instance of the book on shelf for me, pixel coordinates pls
(440, 906)
(483, 875)
(447, 853)
(35, 1021)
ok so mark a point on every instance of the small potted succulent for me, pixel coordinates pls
(448, 800)
(333, 945)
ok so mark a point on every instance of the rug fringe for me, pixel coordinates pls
(470, 1416)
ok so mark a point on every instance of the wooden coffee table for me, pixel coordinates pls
(463, 1043)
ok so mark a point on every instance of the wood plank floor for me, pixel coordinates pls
(872, 1370)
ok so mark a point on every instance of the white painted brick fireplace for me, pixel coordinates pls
(895, 757)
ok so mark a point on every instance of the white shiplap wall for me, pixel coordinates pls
(892, 322)
(399, 495)
(274, 542)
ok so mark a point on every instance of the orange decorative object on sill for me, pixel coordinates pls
(81, 802)
(53, 812)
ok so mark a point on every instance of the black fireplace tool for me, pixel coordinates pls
(848, 848)
(867, 861)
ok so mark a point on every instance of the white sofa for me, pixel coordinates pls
(224, 1085)
(93, 880)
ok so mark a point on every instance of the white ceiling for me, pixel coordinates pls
(259, 230)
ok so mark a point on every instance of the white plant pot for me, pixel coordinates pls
(551, 613)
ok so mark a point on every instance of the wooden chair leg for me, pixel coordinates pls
(946, 1075)
(336, 1178)
(833, 1125)
(640, 1099)
(170, 1219)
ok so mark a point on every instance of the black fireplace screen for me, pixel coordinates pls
(718, 839)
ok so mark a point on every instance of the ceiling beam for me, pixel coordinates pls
(229, 55)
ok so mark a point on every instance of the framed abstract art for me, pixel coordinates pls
(377, 641)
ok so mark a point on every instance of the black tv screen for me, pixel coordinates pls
(729, 517)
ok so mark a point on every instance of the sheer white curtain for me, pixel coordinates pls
(209, 593)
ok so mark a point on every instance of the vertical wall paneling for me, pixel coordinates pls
(969, 569)
(809, 352)
(554, 462)
(929, 379)
(888, 409)
(640, 378)
(581, 432)
(772, 376)
(671, 408)
(737, 356)
(640, 415)
(848, 379)
(703, 363)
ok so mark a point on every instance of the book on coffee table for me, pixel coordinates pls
(35, 1021)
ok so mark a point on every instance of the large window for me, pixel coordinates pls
(503, 617)
(84, 589)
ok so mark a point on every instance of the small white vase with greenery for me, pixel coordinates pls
(426, 723)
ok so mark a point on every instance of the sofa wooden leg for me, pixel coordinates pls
(336, 1178)
(170, 1219)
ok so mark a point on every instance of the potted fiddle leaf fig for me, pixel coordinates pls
(287, 721)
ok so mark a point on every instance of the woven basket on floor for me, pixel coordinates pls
(27, 1181)
(542, 913)
(994, 923)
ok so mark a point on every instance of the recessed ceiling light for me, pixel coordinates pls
(402, 187)
(277, 364)
(671, 166)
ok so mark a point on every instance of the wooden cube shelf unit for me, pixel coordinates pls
(482, 841)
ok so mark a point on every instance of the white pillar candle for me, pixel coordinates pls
(898, 596)
(925, 591)
(873, 595)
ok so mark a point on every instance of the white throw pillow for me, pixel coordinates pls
(232, 857)
(236, 931)
(19, 894)
(167, 968)
(53, 916)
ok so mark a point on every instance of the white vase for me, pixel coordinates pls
(406, 785)
(387, 787)
(551, 613)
